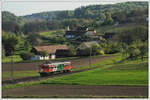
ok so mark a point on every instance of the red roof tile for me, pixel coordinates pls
(51, 49)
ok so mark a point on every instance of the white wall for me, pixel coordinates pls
(39, 57)
(53, 56)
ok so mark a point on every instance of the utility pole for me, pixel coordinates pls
(90, 64)
(12, 67)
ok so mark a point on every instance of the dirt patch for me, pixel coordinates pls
(76, 90)
(34, 66)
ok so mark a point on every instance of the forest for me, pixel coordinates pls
(129, 20)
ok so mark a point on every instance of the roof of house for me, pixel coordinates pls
(51, 49)
(80, 31)
(88, 44)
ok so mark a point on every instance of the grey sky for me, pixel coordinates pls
(27, 7)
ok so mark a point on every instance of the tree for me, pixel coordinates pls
(112, 47)
(109, 19)
(72, 51)
(9, 41)
(11, 26)
(133, 34)
(120, 17)
(143, 47)
(32, 39)
(43, 53)
(133, 51)
(95, 49)
(102, 16)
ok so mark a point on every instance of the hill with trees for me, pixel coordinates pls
(92, 16)
(128, 20)
(87, 12)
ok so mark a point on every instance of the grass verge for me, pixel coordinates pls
(16, 58)
(19, 74)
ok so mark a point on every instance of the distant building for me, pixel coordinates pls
(52, 50)
(79, 32)
(39, 57)
(81, 48)
(84, 45)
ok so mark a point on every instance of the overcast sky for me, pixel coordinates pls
(26, 7)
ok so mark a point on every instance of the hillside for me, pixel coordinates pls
(92, 11)
(93, 16)
(7, 17)
(40, 16)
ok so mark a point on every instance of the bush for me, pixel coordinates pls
(112, 47)
(26, 56)
(72, 51)
(101, 52)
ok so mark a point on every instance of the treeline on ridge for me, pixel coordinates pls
(91, 16)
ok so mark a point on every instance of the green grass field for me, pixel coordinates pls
(16, 58)
(50, 33)
(116, 29)
(111, 72)
(128, 73)
(19, 74)
(47, 33)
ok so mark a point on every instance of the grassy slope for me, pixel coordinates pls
(51, 33)
(118, 28)
(112, 60)
(16, 58)
(138, 75)
(107, 74)
(19, 74)
(47, 33)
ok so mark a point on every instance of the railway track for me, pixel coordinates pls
(37, 78)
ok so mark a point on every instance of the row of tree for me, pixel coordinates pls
(91, 16)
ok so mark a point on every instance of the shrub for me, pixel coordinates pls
(112, 47)
(72, 51)
(101, 52)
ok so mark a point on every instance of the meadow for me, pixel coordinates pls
(110, 72)
(124, 73)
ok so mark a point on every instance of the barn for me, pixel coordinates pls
(52, 50)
